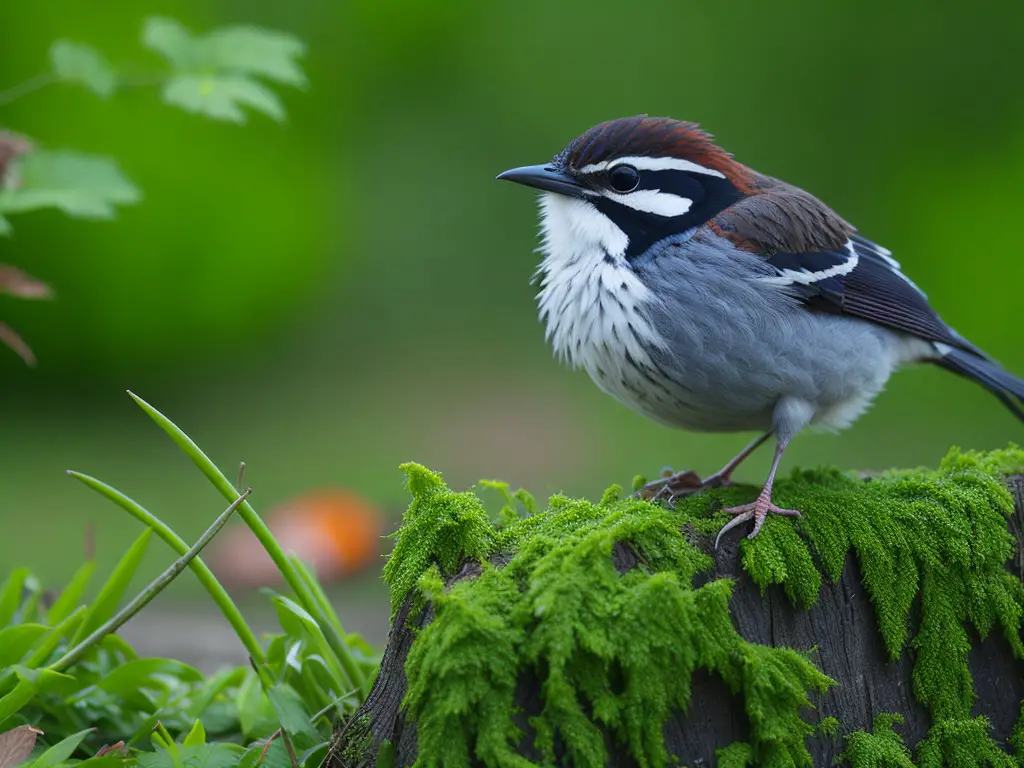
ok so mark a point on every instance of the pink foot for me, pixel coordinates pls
(757, 510)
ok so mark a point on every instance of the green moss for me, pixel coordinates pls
(882, 748)
(736, 755)
(829, 726)
(961, 741)
(440, 528)
(614, 653)
(1017, 737)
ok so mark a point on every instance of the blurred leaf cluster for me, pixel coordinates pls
(216, 75)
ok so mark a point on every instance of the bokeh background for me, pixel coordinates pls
(333, 296)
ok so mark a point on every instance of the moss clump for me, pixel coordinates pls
(614, 652)
(938, 536)
(440, 527)
(882, 748)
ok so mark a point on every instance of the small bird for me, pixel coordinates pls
(710, 297)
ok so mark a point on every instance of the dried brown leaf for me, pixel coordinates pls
(17, 744)
(108, 749)
(10, 338)
(11, 146)
(16, 283)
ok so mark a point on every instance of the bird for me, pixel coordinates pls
(713, 298)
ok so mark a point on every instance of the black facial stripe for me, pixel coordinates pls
(710, 195)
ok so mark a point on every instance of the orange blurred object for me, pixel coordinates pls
(335, 531)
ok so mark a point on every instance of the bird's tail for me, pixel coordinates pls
(987, 372)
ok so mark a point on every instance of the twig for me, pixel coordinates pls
(31, 85)
(290, 747)
(151, 591)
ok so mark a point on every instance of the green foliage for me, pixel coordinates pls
(602, 641)
(882, 748)
(77, 63)
(61, 670)
(215, 76)
(83, 186)
(615, 651)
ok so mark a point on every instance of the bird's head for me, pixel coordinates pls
(628, 183)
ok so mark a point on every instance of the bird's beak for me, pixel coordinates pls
(544, 177)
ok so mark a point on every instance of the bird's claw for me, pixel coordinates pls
(757, 511)
(675, 485)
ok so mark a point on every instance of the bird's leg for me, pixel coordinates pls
(759, 509)
(673, 485)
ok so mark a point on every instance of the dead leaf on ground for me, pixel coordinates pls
(10, 338)
(17, 744)
(16, 283)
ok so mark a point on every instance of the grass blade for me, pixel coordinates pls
(10, 595)
(202, 571)
(152, 590)
(263, 534)
(105, 604)
(72, 593)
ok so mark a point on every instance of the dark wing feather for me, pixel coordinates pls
(819, 258)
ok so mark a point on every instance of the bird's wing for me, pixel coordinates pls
(819, 258)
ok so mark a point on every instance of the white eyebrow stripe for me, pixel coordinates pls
(653, 164)
(653, 201)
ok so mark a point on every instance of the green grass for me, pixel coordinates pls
(64, 672)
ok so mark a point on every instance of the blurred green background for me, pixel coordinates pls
(350, 290)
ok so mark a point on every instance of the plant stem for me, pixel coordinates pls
(152, 590)
(31, 85)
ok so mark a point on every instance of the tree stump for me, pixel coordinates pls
(842, 626)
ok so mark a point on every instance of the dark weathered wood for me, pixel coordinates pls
(841, 624)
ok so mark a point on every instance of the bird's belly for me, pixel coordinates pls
(672, 400)
(726, 377)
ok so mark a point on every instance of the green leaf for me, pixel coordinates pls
(14, 701)
(60, 751)
(297, 622)
(128, 679)
(86, 186)
(58, 633)
(18, 640)
(10, 595)
(212, 689)
(47, 681)
(5, 227)
(314, 756)
(290, 712)
(215, 75)
(248, 702)
(277, 756)
(196, 737)
(222, 96)
(246, 50)
(105, 604)
(77, 63)
(72, 593)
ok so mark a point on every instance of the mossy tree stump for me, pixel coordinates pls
(881, 629)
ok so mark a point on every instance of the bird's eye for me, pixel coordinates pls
(624, 178)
